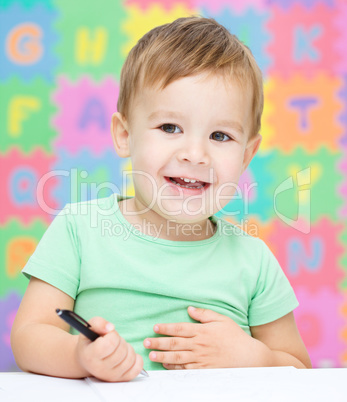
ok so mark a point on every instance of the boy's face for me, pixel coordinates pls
(196, 128)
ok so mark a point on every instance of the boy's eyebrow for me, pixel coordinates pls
(175, 115)
(233, 124)
(164, 113)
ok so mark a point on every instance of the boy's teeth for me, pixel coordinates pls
(188, 180)
(187, 183)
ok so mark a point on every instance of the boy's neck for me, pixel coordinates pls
(152, 224)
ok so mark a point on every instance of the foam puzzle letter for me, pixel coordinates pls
(20, 108)
(298, 256)
(23, 43)
(94, 112)
(19, 249)
(303, 42)
(23, 185)
(90, 48)
(303, 104)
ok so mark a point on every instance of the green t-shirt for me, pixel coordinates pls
(92, 253)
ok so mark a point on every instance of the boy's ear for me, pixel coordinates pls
(251, 149)
(120, 135)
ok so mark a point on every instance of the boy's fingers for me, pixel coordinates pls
(180, 357)
(111, 356)
(106, 330)
(168, 343)
(115, 349)
(125, 359)
(184, 329)
(133, 366)
(129, 369)
(124, 366)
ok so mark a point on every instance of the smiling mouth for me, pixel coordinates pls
(192, 184)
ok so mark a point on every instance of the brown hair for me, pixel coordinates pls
(186, 47)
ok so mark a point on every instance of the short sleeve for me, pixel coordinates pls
(273, 296)
(56, 259)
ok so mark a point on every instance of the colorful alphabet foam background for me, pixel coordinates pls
(60, 65)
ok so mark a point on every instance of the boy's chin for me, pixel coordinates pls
(184, 219)
(190, 217)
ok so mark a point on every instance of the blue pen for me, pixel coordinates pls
(82, 326)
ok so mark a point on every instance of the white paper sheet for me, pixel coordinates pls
(24, 387)
(247, 384)
(280, 384)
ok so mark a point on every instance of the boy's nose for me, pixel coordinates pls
(193, 152)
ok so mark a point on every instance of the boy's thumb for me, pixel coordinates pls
(100, 325)
(203, 315)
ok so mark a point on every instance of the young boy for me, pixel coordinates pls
(189, 113)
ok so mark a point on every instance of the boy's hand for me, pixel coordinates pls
(216, 343)
(109, 357)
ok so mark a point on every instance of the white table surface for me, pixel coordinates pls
(279, 384)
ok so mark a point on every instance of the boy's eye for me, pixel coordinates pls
(217, 136)
(170, 128)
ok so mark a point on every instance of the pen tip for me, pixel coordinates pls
(57, 310)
